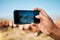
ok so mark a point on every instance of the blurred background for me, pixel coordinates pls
(7, 7)
(10, 31)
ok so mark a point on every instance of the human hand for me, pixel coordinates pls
(46, 24)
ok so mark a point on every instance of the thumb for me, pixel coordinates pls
(41, 17)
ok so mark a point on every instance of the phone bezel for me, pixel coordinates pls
(16, 19)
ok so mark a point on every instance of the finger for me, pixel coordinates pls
(33, 24)
(26, 26)
(35, 8)
(21, 27)
(34, 29)
(41, 11)
(41, 17)
(38, 16)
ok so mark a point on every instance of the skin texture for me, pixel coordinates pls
(47, 25)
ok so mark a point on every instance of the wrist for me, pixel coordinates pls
(54, 29)
(54, 32)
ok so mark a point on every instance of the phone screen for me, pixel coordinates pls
(25, 16)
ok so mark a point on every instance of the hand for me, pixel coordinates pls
(46, 24)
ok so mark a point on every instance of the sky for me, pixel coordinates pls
(7, 7)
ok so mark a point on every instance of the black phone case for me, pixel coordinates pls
(25, 16)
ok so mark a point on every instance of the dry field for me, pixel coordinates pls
(17, 34)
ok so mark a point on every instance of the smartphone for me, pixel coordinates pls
(25, 16)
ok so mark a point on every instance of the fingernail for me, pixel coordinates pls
(32, 23)
(36, 16)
